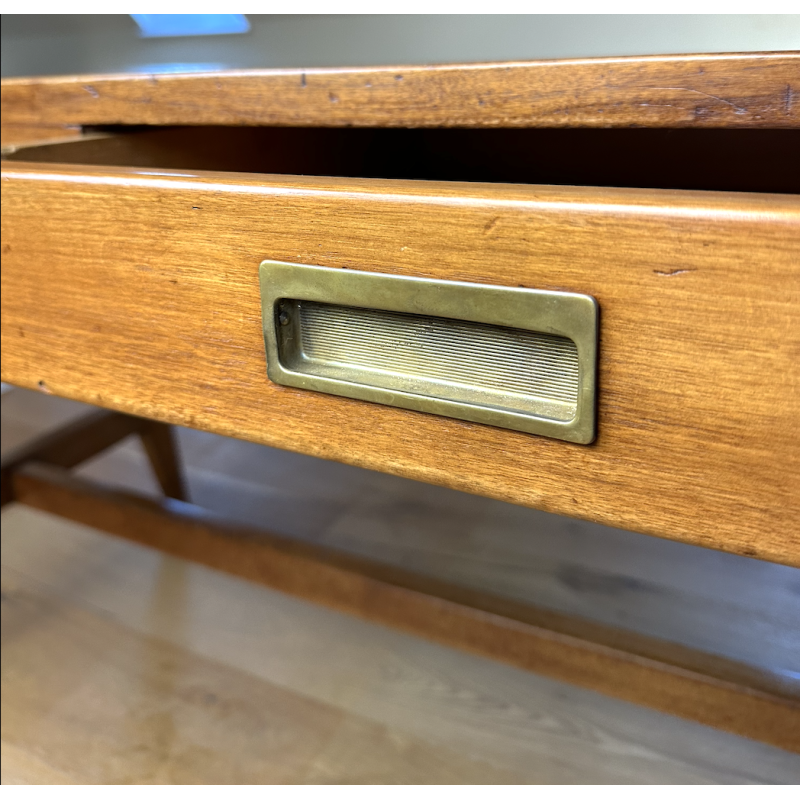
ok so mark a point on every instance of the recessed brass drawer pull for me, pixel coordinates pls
(515, 358)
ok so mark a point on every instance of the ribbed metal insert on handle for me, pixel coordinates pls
(487, 365)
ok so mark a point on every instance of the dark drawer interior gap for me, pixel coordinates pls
(713, 159)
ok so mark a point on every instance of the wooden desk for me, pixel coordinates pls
(660, 186)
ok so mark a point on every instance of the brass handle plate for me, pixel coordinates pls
(523, 359)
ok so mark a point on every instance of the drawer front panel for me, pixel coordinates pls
(140, 292)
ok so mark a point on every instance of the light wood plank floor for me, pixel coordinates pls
(121, 665)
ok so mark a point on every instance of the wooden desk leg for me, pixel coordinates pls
(70, 445)
(91, 435)
(160, 444)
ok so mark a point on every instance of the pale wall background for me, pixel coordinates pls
(63, 44)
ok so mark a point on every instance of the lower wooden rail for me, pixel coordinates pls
(670, 678)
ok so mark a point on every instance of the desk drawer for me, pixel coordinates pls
(139, 291)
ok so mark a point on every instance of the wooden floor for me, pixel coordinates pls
(120, 665)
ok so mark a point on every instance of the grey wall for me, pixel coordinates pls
(79, 43)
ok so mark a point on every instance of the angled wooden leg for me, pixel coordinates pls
(162, 452)
(70, 445)
(89, 436)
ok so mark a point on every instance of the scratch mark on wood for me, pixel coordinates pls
(738, 109)
(668, 273)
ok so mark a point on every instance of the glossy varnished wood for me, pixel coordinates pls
(748, 90)
(139, 292)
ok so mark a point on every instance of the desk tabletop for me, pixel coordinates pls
(754, 90)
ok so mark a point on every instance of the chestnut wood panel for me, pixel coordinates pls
(139, 292)
(493, 627)
(748, 90)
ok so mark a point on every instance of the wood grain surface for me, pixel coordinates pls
(748, 90)
(139, 292)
